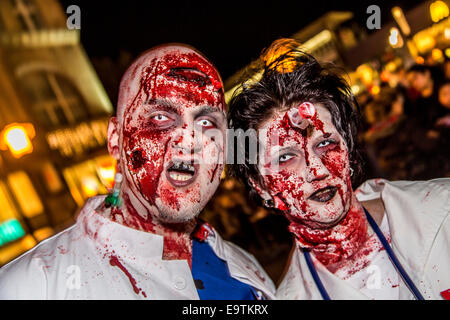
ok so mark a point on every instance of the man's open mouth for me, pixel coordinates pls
(324, 194)
(181, 173)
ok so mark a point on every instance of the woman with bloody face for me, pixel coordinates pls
(385, 240)
(143, 241)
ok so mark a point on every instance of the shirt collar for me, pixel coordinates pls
(114, 238)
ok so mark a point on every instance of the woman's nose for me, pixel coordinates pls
(316, 170)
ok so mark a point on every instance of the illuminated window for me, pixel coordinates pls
(54, 99)
(10, 230)
(89, 178)
(9, 210)
(10, 227)
(9, 252)
(25, 194)
(51, 177)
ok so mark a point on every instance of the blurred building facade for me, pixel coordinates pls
(54, 114)
(327, 38)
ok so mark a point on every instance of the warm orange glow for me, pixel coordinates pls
(25, 193)
(424, 42)
(447, 52)
(437, 55)
(412, 48)
(420, 60)
(391, 66)
(374, 90)
(106, 170)
(355, 89)
(438, 10)
(17, 138)
(43, 233)
(399, 17)
(385, 76)
(14, 249)
(90, 186)
(365, 72)
(277, 49)
(447, 33)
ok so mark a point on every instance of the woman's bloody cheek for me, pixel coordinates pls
(335, 161)
(288, 185)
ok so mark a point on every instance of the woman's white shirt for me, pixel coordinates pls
(418, 223)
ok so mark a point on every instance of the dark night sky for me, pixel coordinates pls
(231, 34)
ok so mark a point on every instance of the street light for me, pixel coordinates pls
(17, 138)
(399, 17)
(395, 38)
(438, 10)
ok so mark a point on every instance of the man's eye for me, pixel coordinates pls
(205, 123)
(160, 117)
(285, 157)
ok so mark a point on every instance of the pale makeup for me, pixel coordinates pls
(308, 172)
(167, 138)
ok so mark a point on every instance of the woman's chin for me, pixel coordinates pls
(318, 220)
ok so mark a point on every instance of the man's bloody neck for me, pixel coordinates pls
(177, 236)
(338, 244)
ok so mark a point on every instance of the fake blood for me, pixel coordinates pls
(332, 245)
(114, 261)
(171, 81)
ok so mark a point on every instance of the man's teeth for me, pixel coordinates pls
(180, 177)
(183, 167)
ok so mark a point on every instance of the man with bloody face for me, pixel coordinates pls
(143, 241)
(384, 240)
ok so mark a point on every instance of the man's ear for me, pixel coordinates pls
(113, 138)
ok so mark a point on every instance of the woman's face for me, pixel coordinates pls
(307, 169)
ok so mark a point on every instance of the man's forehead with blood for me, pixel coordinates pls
(177, 73)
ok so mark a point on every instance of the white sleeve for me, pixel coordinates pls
(23, 279)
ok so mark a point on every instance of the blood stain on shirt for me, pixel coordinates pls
(114, 261)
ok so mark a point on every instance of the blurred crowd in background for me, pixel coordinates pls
(406, 126)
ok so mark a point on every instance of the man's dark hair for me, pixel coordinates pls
(292, 78)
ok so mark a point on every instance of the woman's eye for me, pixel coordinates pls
(205, 123)
(325, 143)
(285, 157)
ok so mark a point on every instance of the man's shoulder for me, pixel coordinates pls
(27, 276)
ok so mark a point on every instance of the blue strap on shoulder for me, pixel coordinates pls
(406, 279)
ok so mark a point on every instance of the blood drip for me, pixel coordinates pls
(114, 261)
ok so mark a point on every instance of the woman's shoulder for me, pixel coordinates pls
(373, 188)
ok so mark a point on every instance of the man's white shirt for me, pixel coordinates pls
(100, 259)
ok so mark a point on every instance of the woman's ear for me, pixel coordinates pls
(113, 138)
(268, 200)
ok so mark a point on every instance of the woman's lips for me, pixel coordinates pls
(182, 173)
(324, 194)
